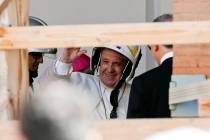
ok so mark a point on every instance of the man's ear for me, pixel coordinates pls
(156, 48)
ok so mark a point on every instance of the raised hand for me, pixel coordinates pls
(70, 54)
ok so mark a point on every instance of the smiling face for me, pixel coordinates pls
(111, 67)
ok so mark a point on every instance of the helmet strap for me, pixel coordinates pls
(135, 65)
(96, 58)
(98, 64)
(115, 92)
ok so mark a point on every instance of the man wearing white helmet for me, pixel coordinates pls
(35, 57)
(35, 54)
(108, 89)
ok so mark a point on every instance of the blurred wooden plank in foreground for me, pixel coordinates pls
(121, 129)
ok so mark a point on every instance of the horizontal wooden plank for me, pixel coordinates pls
(121, 129)
(104, 34)
(184, 61)
(204, 107)
(192, 61)
(195, 91)
(184, 70)
(142, 128)
(9, 130)
(192, 50)
(191, 10)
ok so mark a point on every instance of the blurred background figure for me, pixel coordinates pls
(82, 64)
(65, 117)
(36, 54)
(149, 98)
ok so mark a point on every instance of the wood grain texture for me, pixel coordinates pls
(3, 5)
(10, 130)
(109, 34)
(140, 129)
(184, 70)
(195, 91)
(192, 62)
(137, 129)
(192, 10)
(204, 107)
(192, 50)
(16, 14)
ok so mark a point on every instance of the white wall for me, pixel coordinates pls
(88, 11)
(163, 6)
(155, 8)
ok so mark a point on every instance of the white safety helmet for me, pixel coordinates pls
(50, 50)
(34, 21)
(132, 53)
(129, 52)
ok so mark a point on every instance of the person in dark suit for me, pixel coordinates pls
(149, 91)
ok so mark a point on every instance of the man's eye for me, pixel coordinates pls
(116, 63)
(105, 61)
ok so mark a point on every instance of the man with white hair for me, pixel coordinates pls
(108, 88)
(62, 119)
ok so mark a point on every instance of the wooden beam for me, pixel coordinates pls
(191, 10)
(3, 5)
(121, 129)
(11, 130)
(16, 14)
(18, 81)
(204, 107)
(22, 12)
(141, 128)
(189, 92)
(98, 35)
(191, 99)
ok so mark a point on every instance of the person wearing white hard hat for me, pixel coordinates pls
(36, 54)
(108, 89)
(35, 58)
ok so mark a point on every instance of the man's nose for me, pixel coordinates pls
(110, 67)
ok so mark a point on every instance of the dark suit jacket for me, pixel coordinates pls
(150, 92)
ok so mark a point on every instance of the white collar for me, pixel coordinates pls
(166, 56)
(108, 89)
(104, 87)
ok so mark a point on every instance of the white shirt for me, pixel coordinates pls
(166, 56)
(92, 85)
